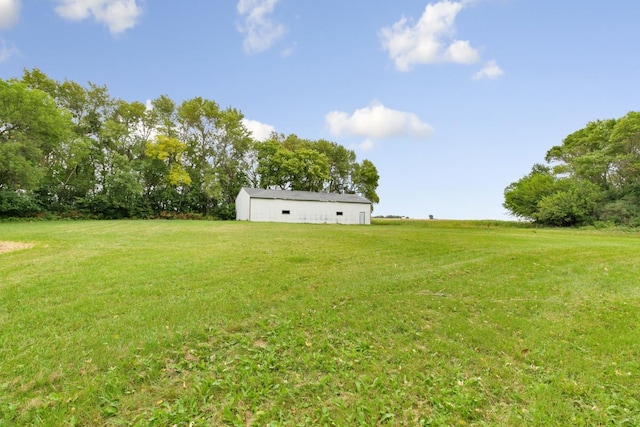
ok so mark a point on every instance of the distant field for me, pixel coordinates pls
(196, 323)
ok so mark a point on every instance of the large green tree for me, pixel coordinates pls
(293, 164)
(217, 144)
(84, 160)
(594, 175)
(365, 180)
(299, 164)
(522, 197)
(231, 165)
(198, 119)
(31, 130)
(341, 166)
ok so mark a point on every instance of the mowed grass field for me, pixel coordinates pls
(195, 323)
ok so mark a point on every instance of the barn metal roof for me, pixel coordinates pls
(310, 196)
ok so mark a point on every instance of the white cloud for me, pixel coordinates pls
(489, 71)
(260, 131)
(7, 50)
(117, 15)
(259, 29)
(9, 12)
(377, 122)
(431, 40)
(461, 52)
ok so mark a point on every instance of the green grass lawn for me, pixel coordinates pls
(195, 323)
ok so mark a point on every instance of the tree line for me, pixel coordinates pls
(73, 150)
(593, 177)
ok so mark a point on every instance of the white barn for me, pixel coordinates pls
(263, 205)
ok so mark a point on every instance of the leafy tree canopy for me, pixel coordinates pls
(69, 149)
(593, 176)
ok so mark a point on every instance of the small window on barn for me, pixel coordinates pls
(285, 212)
(339, 213)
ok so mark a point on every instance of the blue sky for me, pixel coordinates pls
(451, 100)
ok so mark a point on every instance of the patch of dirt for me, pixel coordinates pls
(13, 246)
(260, 343)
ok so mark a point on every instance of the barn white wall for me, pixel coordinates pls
(243, 203)
(270, 210)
